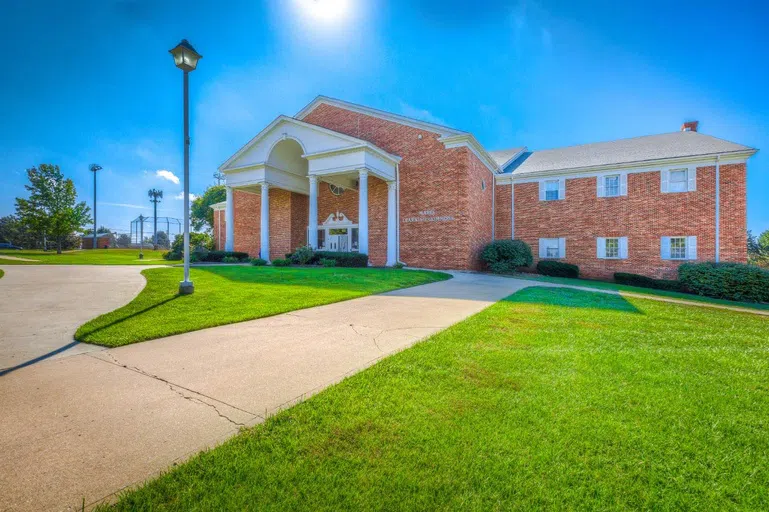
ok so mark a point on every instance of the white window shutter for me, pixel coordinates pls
(542, 190)
(601, 180)
(623, 184)
(665, 176)
(691, 174)
(542, 248)
(665, 252)
(623, 247)
(562, 188)
(601, 247)
(691, 247)
(561, 247)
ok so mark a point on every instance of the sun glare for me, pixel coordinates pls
(326, 11)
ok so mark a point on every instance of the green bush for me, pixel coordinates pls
(219, 256)
(647, 282)
(203, 240)
(399, 265)
(172, 256)
(281, 263)
(505, 256)
(230, 259)
(557, 269)
(258, 262)
(732, 281)
(327, 262)
(343, 259)
(303, 255)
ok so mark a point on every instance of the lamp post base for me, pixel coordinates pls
(186, 288)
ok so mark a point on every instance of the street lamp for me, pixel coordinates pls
(93, 168)
(186, 59)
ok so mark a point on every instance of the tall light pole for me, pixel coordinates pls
(186, 59)
(155, 197)
(93, 168)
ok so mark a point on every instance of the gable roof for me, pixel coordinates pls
(505, 156)
(636, 150)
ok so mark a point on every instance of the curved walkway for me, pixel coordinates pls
(41, 307)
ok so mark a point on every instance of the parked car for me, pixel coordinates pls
(8, 245)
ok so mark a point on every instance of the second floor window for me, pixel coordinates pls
(611, 185)
(551, 190)
(679, 181)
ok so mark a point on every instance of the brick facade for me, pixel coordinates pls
(219, 229)
(644, 216)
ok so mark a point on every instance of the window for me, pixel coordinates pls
(483, 184)
(612, 248)
(553, 248)
(679, 247)
(354, 239)
(551, 190)
(611, 185)
(678, 181)
(321, 238)
(335, 189)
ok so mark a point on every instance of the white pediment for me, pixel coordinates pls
(337, 219)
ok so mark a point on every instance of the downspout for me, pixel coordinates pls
(718, 208)
(493, 207)
(398, 213)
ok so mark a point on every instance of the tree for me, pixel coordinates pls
(155, 197)
(99, 231)
(763, 242)
(758, 249)
(13, 231)
(52, 208)
(123, 241)
(201, 214)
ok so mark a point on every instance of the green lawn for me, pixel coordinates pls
(86, 257)
(551, 399)
(224, 295)
(603, 285)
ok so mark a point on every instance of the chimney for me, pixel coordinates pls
(689, 126)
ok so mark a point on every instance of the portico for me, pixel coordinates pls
(293, 170)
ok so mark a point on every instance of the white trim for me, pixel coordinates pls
(512, 158)
(561, 242)
(621, 248)
(380, 114)
(369, 148)
(561, 189)
(219, 206)
(691, 248)
(469, 141)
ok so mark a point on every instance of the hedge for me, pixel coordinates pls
(557, 269)
(648, 282)
(505, 256)
(280, 263)
(732, 281)
(343, 259)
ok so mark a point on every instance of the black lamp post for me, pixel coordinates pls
(186, 59)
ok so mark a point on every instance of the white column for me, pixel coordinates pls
(229, 221)
(313, 223)
(392, 221)
(363, 211)
(265, 222)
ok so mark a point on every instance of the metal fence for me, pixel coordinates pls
(142, 231)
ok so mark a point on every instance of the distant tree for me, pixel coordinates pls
(162, 239)
(12, 230)
(758, 249)
(123, 241)
(100, 230)
(52, 208)
(201, 215)
(763, 242)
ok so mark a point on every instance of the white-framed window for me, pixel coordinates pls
(679, 180)
(679, 248)
(612, 248)
(552, 248)
(552, 190)
(612, 185)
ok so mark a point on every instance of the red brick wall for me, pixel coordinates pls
(644, 216)
(478, 204)
(502, 212)
(432, 179)
(246, 218)
(300, 208)
(219, 230)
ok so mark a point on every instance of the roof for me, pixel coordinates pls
(504, 156)
(648, 148)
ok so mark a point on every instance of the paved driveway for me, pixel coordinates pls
(41, 307)
(88, 425)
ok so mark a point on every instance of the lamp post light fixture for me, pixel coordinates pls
(94, 168)
(186, 59)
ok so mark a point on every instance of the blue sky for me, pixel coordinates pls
(93, 81)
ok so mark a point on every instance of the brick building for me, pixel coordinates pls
(344, 177)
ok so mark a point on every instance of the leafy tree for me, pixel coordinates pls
(52, 208)
(758, 249)
(763, 242)
(99, 230)
(123, 241)
(201, 215)
(13, 231)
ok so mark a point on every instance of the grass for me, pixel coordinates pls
(85, 257)
(224, 295)
(604, 285)
(551, 399)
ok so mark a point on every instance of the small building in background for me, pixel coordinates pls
(103, 241)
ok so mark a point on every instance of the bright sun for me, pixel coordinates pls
(327, 11)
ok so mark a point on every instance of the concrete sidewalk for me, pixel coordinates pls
(87, 426)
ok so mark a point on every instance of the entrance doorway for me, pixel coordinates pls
(338, 234)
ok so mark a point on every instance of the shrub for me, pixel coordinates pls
(219, 256)
(230, 259)
(172, 256)
(281, 263)
(505, 256)
(327, 262)
(258, 262)
(399, 265)
(302, 255)
(344, 259)
(648, 282)
(557, 269)
(203, 240)
(732, 281)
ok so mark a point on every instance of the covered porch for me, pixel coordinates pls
(304, 184)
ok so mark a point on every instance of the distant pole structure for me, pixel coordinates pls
(141, 237)
(94, 168)
(219, 177)
(155, 197)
